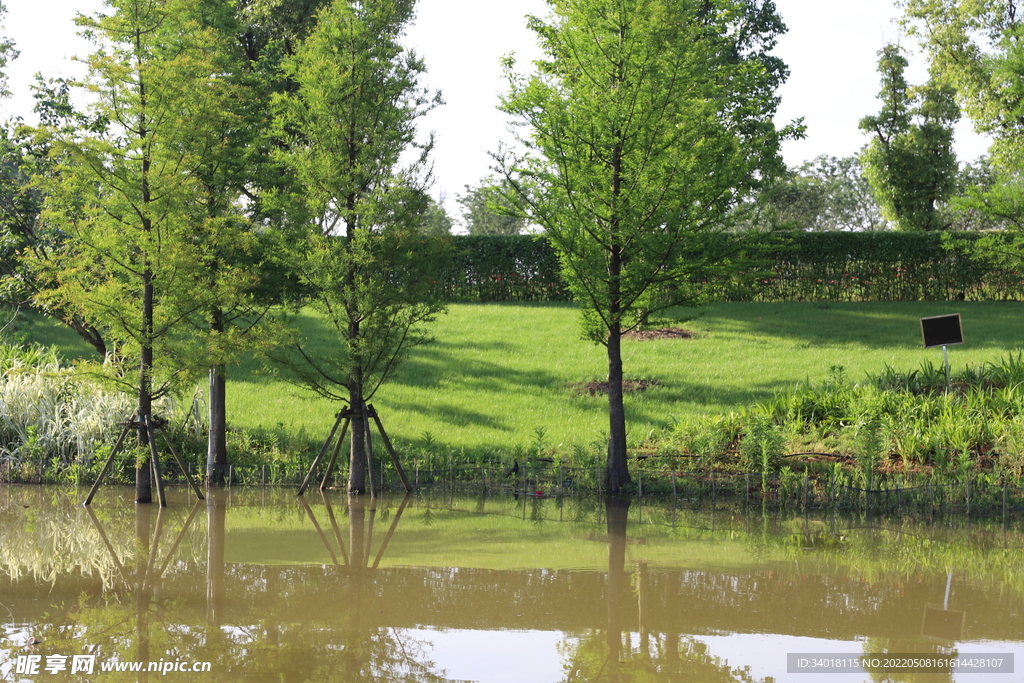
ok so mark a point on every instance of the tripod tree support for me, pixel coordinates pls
(151, 425)
(110, 459)
(334, 453)
(347, 416)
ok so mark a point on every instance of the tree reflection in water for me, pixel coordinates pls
(353, 590)
(614, 657)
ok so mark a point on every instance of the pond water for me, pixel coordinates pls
(261, 585)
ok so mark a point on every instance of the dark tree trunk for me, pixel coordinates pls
(143, 467)
(617, 470)
(617, 467)
(357, 453)
(217, 441)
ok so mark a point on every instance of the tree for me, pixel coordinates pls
(826, 193)
(487, 209)
(975, 47)
(910, 161)
(7, 54)
(648, 120)
(345, 129)
(133, 200)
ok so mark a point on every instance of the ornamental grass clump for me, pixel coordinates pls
(47, 412)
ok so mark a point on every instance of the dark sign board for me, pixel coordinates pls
(942, 330)
(941, 623)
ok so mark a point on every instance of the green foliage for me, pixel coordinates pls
(490, 209)
(502, 268)
(798, 266)
(761, 448)
(7, 53)
(910, 161)
(826, 193)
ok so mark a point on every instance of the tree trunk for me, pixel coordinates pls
(143, 480)
(357, 454)
(617, 468)
(217, 442)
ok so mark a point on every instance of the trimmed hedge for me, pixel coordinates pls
(799, 266)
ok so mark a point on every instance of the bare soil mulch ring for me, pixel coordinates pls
(662, 333)
(601, 387)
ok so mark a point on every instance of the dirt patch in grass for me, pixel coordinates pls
(662, 333)
(596, 387)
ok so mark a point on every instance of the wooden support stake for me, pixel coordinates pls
(391, 449)
(155, 461)
(335, 527)
(391, 530)
(181, 464)
(320, 455)
(110, 459)
(334, 454)
(374, 485)
(320, 531)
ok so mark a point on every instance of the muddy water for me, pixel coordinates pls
(264, 586)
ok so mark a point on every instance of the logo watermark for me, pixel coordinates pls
(35, 665)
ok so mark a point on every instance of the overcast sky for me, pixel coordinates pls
(831, 49)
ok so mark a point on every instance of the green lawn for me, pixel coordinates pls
(496, 374)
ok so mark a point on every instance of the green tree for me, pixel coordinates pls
(975, 48)
(7, 54)
(648, 121)
(825, 193)
(345, 130)
(910, 161)
(488, 210)
(132, 198)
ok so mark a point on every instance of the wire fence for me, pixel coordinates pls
(799, 490)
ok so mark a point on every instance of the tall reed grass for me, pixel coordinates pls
(47, 412)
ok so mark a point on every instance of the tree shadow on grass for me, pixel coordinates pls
(987, 324)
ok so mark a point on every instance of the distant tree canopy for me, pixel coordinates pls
(910, 161)
(826, 193)
(488, 210)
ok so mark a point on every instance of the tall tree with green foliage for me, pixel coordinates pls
(976, 48)
(132, 200)
(910, 161)
(345, 130)
(7, 54)
(488, 210)
(825, 193)
(647, 122)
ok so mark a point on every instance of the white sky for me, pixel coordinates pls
(831, 49)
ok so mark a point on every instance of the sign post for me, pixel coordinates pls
(942, 330)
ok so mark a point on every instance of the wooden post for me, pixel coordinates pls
(334, 454)
(155, 460)
(181, 464)
(390, 448)
(320, 455)
(110, 459)
(374, 485)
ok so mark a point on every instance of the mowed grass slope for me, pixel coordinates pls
(497, 374)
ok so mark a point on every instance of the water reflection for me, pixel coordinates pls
(271, 587)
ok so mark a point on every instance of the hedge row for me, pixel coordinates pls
(832, 266)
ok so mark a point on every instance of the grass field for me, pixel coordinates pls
(498, 376)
